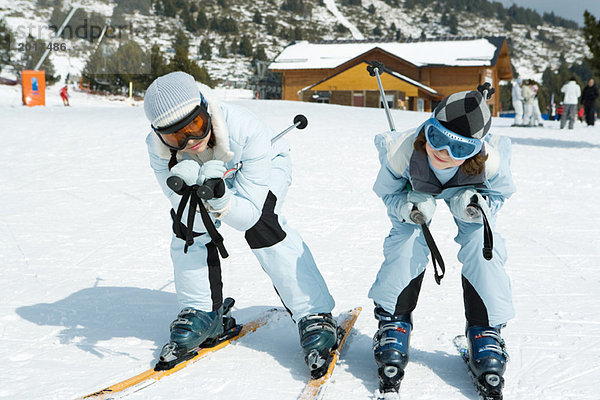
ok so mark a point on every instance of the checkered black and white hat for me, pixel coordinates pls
(465, 113)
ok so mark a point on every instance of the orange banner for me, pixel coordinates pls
(33, 88)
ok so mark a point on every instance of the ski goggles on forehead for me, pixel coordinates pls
(196, 125)
(441, 138)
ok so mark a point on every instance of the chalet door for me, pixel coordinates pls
(358, 99)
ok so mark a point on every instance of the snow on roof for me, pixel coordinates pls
(461, 52)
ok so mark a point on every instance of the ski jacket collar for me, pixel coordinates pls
(423, 179)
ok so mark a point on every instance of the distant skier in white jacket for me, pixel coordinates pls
(517, 101)
(572, 92)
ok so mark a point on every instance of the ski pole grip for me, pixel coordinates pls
(212, 188)
(300, 121)
(176, 184)
(375, 65)
(417, 216)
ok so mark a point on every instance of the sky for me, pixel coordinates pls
(572, 9)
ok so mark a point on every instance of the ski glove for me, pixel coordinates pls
(216, 169)
(459, 206)
(425, 203)
(187, 170)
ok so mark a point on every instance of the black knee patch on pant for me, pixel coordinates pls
(267, 231)
(407, 301)
(475, 311)
(214, 275)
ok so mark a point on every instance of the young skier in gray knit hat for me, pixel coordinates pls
(197, 138)
(445, 158)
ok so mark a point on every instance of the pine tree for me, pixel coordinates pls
(201, 20)
(169, 8)
(453, 24)
(205, 50)
(245, 47)
(257, 17)
(591, 33)
(223, 50)
(181, 40)
(6, 40)
(188, 20)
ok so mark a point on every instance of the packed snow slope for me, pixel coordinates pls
(87, 288)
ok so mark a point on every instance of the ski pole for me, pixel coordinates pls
(415, 215)
(474, 210)
(215, 187)
(374, 70)
(436, 257)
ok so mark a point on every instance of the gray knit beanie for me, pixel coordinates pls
(170, 98)
(465, 113)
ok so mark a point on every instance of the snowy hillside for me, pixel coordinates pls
(87, 287)
(318, 20)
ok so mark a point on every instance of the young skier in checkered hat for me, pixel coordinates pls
(195, 137)
(448, 158)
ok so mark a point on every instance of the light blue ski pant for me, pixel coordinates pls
(486, 286)
(289, 263)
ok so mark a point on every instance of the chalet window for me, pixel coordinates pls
(390, 101)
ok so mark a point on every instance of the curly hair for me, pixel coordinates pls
(472, 166)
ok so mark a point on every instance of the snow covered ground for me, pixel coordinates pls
(87, 289)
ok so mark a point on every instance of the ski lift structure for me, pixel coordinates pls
(100, 81)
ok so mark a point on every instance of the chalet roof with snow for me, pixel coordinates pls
(451, 51)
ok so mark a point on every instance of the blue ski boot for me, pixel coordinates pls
(487, 359)
(318, 336)
(191, 329)
(390, 345)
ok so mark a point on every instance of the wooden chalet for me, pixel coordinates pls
(418, 73)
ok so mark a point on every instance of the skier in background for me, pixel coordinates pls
(195, 137)
(517, 101)
(588, 98)
(528, 100)
(572, 91)
(449, 158)
(537, 113)
(64, 95)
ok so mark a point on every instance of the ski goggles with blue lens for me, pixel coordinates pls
(440, 138)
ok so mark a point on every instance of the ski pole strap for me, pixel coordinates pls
(211, 229)
(186, 233)
(488, 236)
(436, 256)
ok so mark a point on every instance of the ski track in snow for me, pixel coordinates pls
(87, 292)
(331, 6)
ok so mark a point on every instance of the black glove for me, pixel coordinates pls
(486, 87)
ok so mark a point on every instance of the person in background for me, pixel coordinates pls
(559, 111)
(196, 137)
(572, 91)
(528, 99)
(537, 113)
(517, 101)
(64, 95)
(588, 98)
